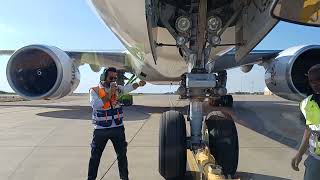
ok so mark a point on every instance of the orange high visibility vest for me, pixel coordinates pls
(102, 93)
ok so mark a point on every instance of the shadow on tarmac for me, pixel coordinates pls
(252, 176)
(131, 113)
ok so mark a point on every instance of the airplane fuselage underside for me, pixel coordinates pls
(129, 25)
(240, 28)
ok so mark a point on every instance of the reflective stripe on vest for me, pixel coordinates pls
(314, 145)
(105, 118)
(311, 112)
(102, 93)
(110, 112)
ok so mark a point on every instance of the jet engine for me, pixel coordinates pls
(286, 76)
(42, 72)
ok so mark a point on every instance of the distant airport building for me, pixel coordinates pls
(267, 92)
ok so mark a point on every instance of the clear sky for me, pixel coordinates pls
(71, 24)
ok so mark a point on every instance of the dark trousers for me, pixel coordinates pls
(312, 171)
(99, 141)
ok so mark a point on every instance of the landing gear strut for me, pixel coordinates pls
(196, 33)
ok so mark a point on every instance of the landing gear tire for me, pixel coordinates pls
(223, 141)
(172, 145)
(224, 101)
(227, 101)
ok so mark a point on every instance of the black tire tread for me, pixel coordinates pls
(172, 145)
(226, 155)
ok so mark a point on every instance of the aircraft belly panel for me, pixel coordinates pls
(127, 21)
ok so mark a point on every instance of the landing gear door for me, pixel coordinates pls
(253, 25)
(152, 20)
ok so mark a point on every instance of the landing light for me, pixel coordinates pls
(214, 23)
(183, 24)
(215, 40)
(180, 40)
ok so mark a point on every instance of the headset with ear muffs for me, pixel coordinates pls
(104, 74)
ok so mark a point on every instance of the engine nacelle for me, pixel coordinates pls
(286, 75)
(42, 72)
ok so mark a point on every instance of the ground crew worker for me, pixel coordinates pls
(311, 138)
(107, 118)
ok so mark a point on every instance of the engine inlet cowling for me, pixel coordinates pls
(42, 72)
(286, 75)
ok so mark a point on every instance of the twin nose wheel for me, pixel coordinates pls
(222, 142)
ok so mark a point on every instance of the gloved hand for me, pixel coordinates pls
(136, 85)
(142, 83)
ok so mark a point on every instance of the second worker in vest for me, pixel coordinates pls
(311, 138)
(107, 118)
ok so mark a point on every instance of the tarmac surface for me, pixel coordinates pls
(51, 139)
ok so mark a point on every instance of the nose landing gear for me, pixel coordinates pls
(195, 35)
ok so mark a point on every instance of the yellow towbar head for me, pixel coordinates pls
(208, 166)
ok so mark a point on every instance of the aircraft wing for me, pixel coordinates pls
(228, 59)
(6, 52)
(96, 59)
